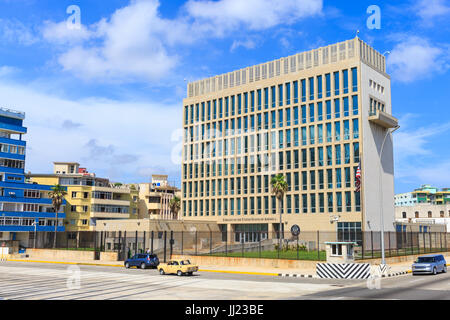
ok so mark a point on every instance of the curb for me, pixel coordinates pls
(296, 275)
(71, 263)
(242, 272)
(395, 274)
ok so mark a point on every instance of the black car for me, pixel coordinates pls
(143, 261)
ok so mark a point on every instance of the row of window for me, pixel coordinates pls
(306, 203)
(429, 214)
(272, 120)
(375, 105)
(18, 221)
(109, 208)
(9, 163)
(10, 148)
(273, 140)
(287, 160)
(306, 180)
(274, 96)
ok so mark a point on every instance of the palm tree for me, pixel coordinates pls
(279, 188)
(57, 195)
(175, 205)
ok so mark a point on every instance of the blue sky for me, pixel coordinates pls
(108, 94)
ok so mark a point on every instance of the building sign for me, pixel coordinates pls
(295, 230)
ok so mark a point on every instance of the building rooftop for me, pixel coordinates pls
(330, 54)
(12, 113)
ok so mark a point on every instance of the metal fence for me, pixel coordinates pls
(306, 246)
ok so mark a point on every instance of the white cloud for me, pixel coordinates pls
(117, 138)
(7, 70)
(412, 141)
(14, 31)
(415, 58)
(60, 33)
(431, 9)
(137, 44)
(415, 161)
(247, 44)
(224, 16)
(438, 174)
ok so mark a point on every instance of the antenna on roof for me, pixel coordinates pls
(357, 32)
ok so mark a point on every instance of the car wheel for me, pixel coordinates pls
(444, 270)
(190, 273)
(161, 271)
(127, 265)
(143, 266)
(179, 273)
(434, 271)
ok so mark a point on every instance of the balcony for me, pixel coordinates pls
(383, 119)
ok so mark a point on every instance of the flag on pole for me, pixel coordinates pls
(358, 178)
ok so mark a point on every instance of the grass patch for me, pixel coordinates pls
(289, 255)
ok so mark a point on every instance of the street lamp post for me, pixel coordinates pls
(383, 261)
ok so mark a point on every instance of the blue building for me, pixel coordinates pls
(25, 208)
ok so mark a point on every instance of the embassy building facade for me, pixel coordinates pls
(313, 117)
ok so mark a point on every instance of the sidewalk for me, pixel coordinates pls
(403, 267)
(204, 268)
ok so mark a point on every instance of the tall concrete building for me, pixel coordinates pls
(313, 117)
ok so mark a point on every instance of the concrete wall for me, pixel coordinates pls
(248, 262)
(373, 136)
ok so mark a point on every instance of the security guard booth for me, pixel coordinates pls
(340, 252)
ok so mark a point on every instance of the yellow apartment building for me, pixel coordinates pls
(89, 198)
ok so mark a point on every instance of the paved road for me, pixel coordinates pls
(405, 287)
(34, 281)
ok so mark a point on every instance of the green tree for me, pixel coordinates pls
(175, 206)
(279, 188)
(57, 195)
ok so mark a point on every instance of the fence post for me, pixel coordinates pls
(135, 243)
(151, 243)
(124, 241)
(424, 246)
(363, 242)
(259, 247)
(144, 246)
(165, 245)
(226, 244)
(445, 234)
(242, 247)
(389, 242)
(429, 236)
(318, 245)
(210, 242)
(412, 244)
(196, 242)
(182, 242)
(119, 249)
(371, 241)
(171, 244)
